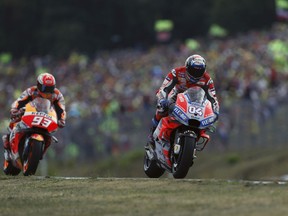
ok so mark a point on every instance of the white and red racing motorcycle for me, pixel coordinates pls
(38, 122)
(180, 135)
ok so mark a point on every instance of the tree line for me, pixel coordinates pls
(58, 27)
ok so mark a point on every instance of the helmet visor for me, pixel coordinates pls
(46, 89)
(196, 73)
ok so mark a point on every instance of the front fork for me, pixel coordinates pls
(202, 140)
(27, 145)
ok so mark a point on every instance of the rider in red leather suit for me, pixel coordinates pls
(46, 88)
(178, 80)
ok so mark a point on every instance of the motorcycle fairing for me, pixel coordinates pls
(162, 139)
(180, 115)
(184, 110)
(165, 128)
(44, 117)
(208, 111)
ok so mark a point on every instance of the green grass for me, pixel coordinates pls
(260, 164)
(217, 184)
(139, 196)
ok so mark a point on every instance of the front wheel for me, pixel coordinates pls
(31, 160)
(151, 169)
(182, 161)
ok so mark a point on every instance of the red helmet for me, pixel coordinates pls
(195, 67)
(46, 83)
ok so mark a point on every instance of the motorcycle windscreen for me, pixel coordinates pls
(42, 105)
(195, 94)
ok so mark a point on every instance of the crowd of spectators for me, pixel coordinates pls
(114, 91)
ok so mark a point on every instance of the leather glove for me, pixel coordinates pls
(61, 123)
(15, 113)
(215, 108)
(163, 105)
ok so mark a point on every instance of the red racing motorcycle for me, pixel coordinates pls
(180, 135)
(38, 121)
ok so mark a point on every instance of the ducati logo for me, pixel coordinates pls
(181, 98)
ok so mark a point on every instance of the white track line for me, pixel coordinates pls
(165, 179)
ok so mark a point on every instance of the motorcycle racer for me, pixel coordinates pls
(179, 79)
(45, 88)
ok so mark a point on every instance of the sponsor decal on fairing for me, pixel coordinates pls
(207, 121)
(180, 114)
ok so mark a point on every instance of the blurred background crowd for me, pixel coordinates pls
(110, 95)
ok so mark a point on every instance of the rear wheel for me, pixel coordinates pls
(182, 161)
(151, 169)
(31, 160)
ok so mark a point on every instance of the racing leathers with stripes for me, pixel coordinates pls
(56, 98)
(176, 82)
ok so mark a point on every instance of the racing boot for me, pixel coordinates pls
(14, 149)
(151, 141)
(5, 139)
(166, 152)
(7, 150)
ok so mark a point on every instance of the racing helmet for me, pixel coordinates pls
(46, 84)
(195, 68)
